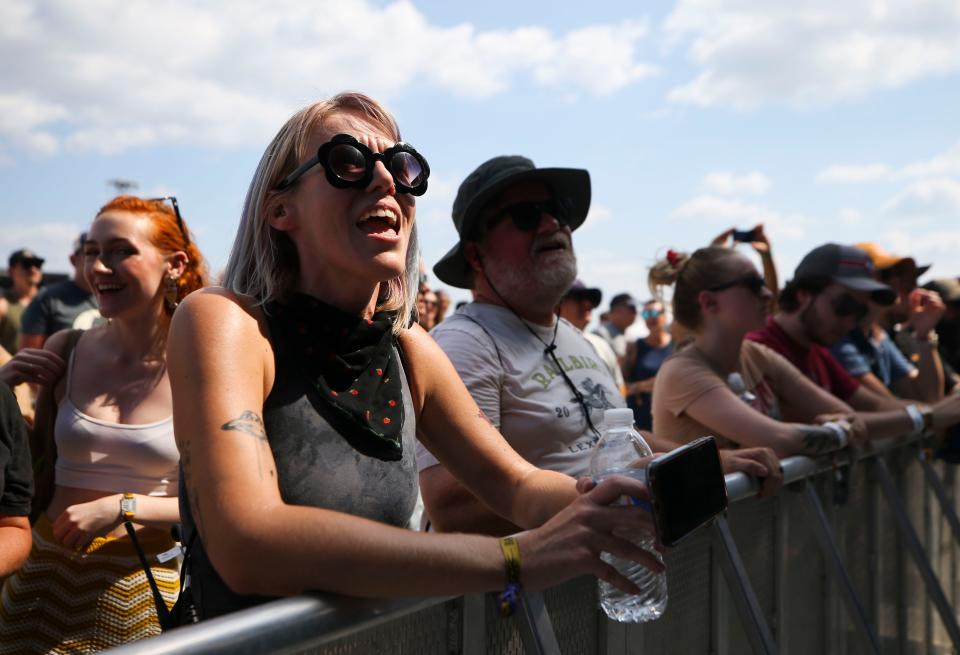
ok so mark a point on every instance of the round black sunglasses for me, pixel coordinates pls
(349, 165)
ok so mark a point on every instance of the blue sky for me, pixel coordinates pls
(828, 121)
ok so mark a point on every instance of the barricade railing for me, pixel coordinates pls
(857, 554)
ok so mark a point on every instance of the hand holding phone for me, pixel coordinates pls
(687, 488)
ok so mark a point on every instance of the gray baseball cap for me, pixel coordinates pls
(491, 178)
(846, 265)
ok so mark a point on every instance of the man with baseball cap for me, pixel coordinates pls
(911, 321)
(827, 298)
(24, 268)
(533, 375)
(871, 353)
(577, 307)
(621, 315)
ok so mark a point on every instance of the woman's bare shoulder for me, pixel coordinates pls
(417, 346)
(220, 319)
(224, 307)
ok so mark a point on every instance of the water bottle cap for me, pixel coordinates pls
(618, 417)
(736, 383)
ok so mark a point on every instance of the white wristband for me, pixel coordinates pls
(916, 417)
(843, 434)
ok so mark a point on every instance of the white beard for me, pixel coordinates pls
(541, 280)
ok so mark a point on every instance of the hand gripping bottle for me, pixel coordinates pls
(616, 453)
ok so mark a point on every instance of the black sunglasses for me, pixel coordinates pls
(349, 165)
(846, 305)
(752, 283)
(526, 215)
(176, 211)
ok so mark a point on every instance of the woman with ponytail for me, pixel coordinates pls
(113, 455)
(741, 391)
(719, 384)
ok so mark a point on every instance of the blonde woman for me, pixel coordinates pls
(300, 387)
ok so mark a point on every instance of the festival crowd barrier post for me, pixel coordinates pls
(857, 554)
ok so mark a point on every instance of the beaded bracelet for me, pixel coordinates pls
(511, 593)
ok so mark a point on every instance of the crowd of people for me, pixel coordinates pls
(287, 418)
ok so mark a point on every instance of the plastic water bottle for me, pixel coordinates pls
(615, 454)
(739, 387)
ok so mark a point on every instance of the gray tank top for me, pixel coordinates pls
(316, 467)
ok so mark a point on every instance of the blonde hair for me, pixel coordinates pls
(689, 275)
(263, 263)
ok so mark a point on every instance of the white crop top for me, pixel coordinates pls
(115, 457)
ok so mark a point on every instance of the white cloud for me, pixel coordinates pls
(21, 118)
(121, 73)
(728, 183)
(756, 52)
(945, 164)
(585, 52)
(843, 174)
(726, 212)
(929, 191)
(934, 198)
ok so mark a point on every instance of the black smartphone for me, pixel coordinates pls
(687, 488)
(746, 236)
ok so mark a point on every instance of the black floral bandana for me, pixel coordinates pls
(351, 363)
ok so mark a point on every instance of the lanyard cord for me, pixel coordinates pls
(548, 349)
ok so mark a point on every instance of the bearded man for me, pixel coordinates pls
(533, 375)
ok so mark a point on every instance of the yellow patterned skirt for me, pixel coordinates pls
(65, 601)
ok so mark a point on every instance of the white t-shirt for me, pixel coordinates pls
(520, 389)
(615, 337)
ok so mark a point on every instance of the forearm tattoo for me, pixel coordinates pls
(486, 418)
(818, 439)
(250, 423)
(183, 445)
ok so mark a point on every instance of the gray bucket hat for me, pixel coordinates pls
(483, 185)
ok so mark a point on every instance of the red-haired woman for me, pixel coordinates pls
(82, 589)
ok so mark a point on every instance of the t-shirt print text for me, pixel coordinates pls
(549, 372)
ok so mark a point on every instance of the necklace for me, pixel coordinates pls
(549, 350)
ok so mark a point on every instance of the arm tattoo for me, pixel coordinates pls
(818, 439)
(250, 423)
(486, 418)
(192, 496)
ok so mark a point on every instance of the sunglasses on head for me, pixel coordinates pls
(349, 164)
(752, 283)
(526, 215)
(846, 305)
(647, 314)
(176, 211)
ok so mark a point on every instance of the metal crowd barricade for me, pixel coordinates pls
(855, 555)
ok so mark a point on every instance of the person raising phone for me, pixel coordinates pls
(741, 391)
